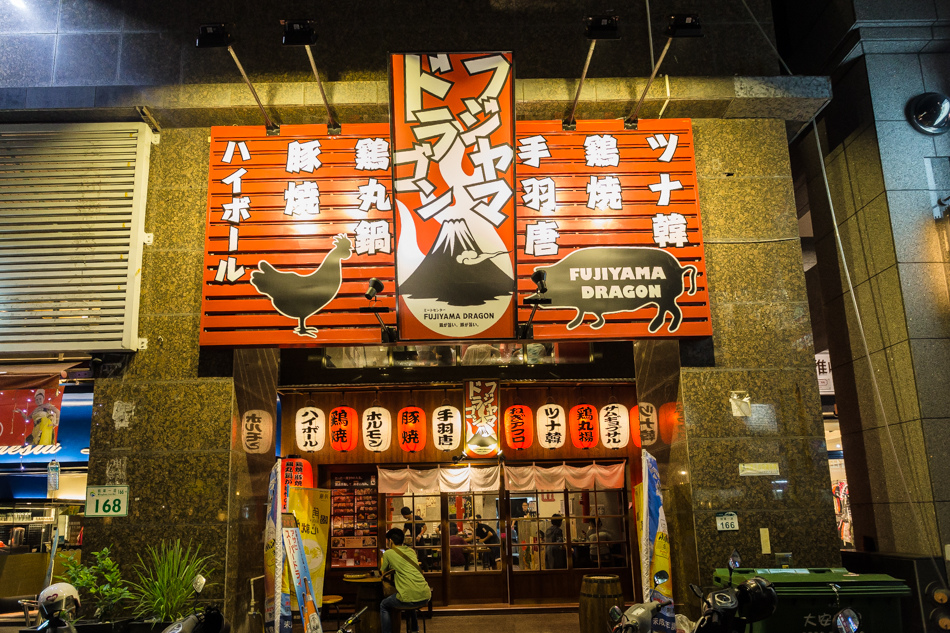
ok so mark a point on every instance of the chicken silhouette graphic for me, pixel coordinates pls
(301, 296)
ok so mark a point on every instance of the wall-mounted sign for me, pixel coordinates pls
(612, 217)
(453, 161)
(297, 472)
(727, 522)
(310, 429)
(481, 418)
(377, 429)
(107, 501)
(447, 427)
(294, 222)
(30, 417)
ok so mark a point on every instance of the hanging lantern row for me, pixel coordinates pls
(585, 425)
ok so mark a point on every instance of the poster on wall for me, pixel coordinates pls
(453, 130)
(610, 217)
(31, 417)
(296, 225)
(482, 402)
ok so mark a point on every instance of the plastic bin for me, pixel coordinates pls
(807, 602)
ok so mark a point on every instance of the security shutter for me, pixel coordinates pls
(72, 211)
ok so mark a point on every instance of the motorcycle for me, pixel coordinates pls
(208, 620)
(730, 609)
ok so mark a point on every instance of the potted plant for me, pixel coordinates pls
(101, 590)
(163, 590)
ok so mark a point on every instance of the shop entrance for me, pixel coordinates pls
(514, 547)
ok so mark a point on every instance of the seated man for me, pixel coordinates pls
(412, 590)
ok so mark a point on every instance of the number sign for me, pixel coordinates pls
(107, 501)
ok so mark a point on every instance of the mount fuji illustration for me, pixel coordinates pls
(456, 271)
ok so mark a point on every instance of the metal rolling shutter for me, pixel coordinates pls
(72, 211)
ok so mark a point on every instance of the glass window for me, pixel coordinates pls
(418, 518)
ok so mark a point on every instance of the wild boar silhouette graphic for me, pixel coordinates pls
(610, 279)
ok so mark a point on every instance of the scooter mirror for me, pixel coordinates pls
(847, 621)
(615, 614)
(696, 591)
(734, 560)
(198, 584)
(660, 577)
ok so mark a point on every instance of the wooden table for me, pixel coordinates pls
(369, 593)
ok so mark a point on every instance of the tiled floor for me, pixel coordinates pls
(517, 623)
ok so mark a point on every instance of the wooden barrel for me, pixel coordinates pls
(598, 594)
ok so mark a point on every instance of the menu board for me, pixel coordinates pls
(354, 515)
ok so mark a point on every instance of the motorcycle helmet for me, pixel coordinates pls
(757, 599)
(57, 598)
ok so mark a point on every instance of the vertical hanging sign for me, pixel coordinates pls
(481, 418)
(453, 173)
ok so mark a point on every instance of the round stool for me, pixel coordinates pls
(419, 616)
(334, 601)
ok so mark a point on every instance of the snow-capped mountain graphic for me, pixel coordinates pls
(456, 271)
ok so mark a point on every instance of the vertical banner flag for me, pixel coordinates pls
(311, 508)
(300, 574)
(453, 173)
(481, 418)
(654, 545)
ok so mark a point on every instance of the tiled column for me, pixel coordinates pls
(763, 346)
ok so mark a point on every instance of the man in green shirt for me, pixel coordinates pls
(412, 590)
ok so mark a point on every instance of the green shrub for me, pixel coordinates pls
(163, 590)
(100, 584)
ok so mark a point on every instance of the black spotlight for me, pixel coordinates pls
(684, 25)
(213, 36)
(299, 33)
(929, 113)
(602, 27)
(540, 277)
(375, 287)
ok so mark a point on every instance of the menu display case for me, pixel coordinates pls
(354, 519)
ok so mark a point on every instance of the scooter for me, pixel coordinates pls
(209, 620)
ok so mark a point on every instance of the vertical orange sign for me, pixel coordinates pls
(453, 172)
(481, 418)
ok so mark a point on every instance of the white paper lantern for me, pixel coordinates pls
(446, 428)
(552, 426)
(310, 427)
(614, 426)
(257, 431)
(377, 429)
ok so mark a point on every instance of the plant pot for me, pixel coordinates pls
(137, 626)
(93, 626)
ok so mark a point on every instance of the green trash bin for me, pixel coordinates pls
(807, 602)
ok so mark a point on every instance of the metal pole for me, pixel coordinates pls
(590, 53)
(326, 104)
(270, 124)
(636, 111)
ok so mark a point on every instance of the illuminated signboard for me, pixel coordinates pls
(612, 218)
(453, 136)
(454, 219)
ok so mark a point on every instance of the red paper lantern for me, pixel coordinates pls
(519, 427)
(671, 421)
(344, 429)
(412, 429)
(297, 472)
(583, 423)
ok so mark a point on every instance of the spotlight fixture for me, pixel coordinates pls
(929, 113)
(539, 277)
(218, 36)
(303, 33)
(681, 25)
(599, 27)
(375, 286)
